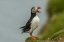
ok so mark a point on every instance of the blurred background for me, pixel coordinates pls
(15, 13)
(54, 27)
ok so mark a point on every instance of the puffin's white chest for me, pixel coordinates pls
(34, 23)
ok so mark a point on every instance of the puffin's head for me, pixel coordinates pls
(35, 9)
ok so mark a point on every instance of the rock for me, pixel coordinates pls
(29, 39)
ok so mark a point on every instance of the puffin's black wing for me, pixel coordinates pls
(27, 26)
(29, 22)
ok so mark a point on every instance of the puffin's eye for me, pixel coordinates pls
(33, 9)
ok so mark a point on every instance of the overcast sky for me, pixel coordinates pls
(14, 14)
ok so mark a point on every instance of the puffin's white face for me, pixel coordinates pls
(35, 9)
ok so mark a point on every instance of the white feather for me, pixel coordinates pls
(34, 23)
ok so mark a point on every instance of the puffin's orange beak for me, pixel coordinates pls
(39, 7)
(38, 10)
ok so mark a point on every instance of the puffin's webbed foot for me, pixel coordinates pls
(33, 37)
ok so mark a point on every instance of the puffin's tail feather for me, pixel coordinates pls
(22, 27)
(22, 32)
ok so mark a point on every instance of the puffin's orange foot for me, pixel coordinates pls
(33, 37)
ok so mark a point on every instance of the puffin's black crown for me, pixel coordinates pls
(33, 10)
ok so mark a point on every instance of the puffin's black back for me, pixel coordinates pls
(27, 27)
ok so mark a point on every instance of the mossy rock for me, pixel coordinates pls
(29, 39)
(58, 35)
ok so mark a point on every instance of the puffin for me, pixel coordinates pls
(32, 23)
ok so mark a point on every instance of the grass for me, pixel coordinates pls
(31, 40)
(55, 26)
(59, 34)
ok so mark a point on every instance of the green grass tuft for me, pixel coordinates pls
(59, 34)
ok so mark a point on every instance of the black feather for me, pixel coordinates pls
(22, 27)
